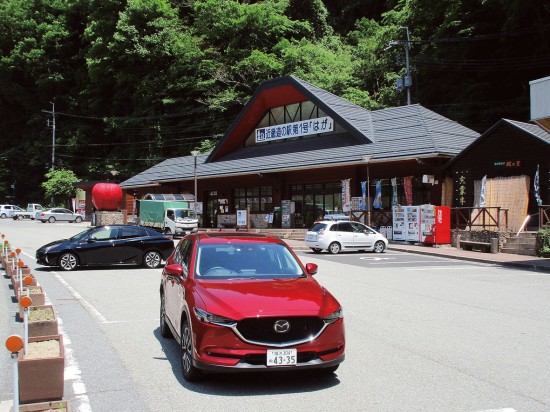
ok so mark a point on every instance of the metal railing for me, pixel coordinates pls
(479, 217)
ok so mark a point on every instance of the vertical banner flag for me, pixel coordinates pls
(377, 204)
(346, 204)
(364, 191)
(482, 202)
(536, 187)
(394, 191)
(407, 182)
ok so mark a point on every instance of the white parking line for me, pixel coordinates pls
(448, 267)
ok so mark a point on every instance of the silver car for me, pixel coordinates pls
(7, 211)
(335, 236)
(59, 214)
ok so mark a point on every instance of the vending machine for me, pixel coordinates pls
(412, 223)
(398, 230)
(435, 224)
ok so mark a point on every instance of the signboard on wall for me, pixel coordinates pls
(295, 129)
(463, 191)
(241, 217)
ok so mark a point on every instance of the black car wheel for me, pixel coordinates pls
(334, 248)
(78, 219)
(51, 219)
(68, 261)
(190, 372)
(379, 247)
(152, 259)
(316, 250)
(164, 329)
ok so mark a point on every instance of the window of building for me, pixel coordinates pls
(313, 201)
(259, 199)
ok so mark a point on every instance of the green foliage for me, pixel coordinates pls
(138, 81)
(206, 145)
(543, 243)
(59, 186)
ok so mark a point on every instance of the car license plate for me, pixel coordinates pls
(310, 237)
(282, 357)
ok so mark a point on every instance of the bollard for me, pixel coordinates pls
(25, 302)
(20, 265)
(494, 245)
(14, 343)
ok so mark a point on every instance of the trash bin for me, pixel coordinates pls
(389, 232)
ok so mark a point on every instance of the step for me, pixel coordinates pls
(524, 252)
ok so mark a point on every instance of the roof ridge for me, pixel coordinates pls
(425, 123)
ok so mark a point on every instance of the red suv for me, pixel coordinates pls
(245, 302)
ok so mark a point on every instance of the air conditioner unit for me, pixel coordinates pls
(428, 179)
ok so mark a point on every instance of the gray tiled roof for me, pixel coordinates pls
(397, 133)
(533, 129)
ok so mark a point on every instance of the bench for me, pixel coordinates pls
(228, 225)
(472, 244)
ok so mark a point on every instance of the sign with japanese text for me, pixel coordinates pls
(462, 188)
(295, 129)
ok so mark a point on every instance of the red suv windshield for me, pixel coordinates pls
(246, 260)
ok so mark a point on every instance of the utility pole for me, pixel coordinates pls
(407, 82)
(51, 123)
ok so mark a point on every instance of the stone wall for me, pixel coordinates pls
(480, 236)
(101, 218)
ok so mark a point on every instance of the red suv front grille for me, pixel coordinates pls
(263, 329)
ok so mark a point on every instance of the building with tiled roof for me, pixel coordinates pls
(294, 141)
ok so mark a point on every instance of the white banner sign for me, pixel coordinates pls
(241, 217)
(296, 129)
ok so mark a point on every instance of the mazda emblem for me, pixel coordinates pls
(281, 326)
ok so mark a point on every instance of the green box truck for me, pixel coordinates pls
(172, 217)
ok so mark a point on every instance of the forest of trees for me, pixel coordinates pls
(134, 82)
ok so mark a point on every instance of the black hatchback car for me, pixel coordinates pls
(108, 245)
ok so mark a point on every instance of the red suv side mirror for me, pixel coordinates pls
(311, 268)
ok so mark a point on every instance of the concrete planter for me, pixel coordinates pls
(57, 406)
(41, 370)
(42, 321)
(15, 279)
(37, 296)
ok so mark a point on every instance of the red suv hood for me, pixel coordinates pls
(250, 298)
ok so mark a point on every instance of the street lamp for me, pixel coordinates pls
(367, 159)
(195, 153)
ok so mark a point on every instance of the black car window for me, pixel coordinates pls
(105, 234)
(358, 228)
(318, 227)
(130, 232)
(344, 227)
(183, 254)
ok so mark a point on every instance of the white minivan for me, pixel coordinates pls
(335, 236)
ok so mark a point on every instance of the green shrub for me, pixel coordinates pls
(543, 243)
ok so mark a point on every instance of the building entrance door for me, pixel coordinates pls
(211, 209)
